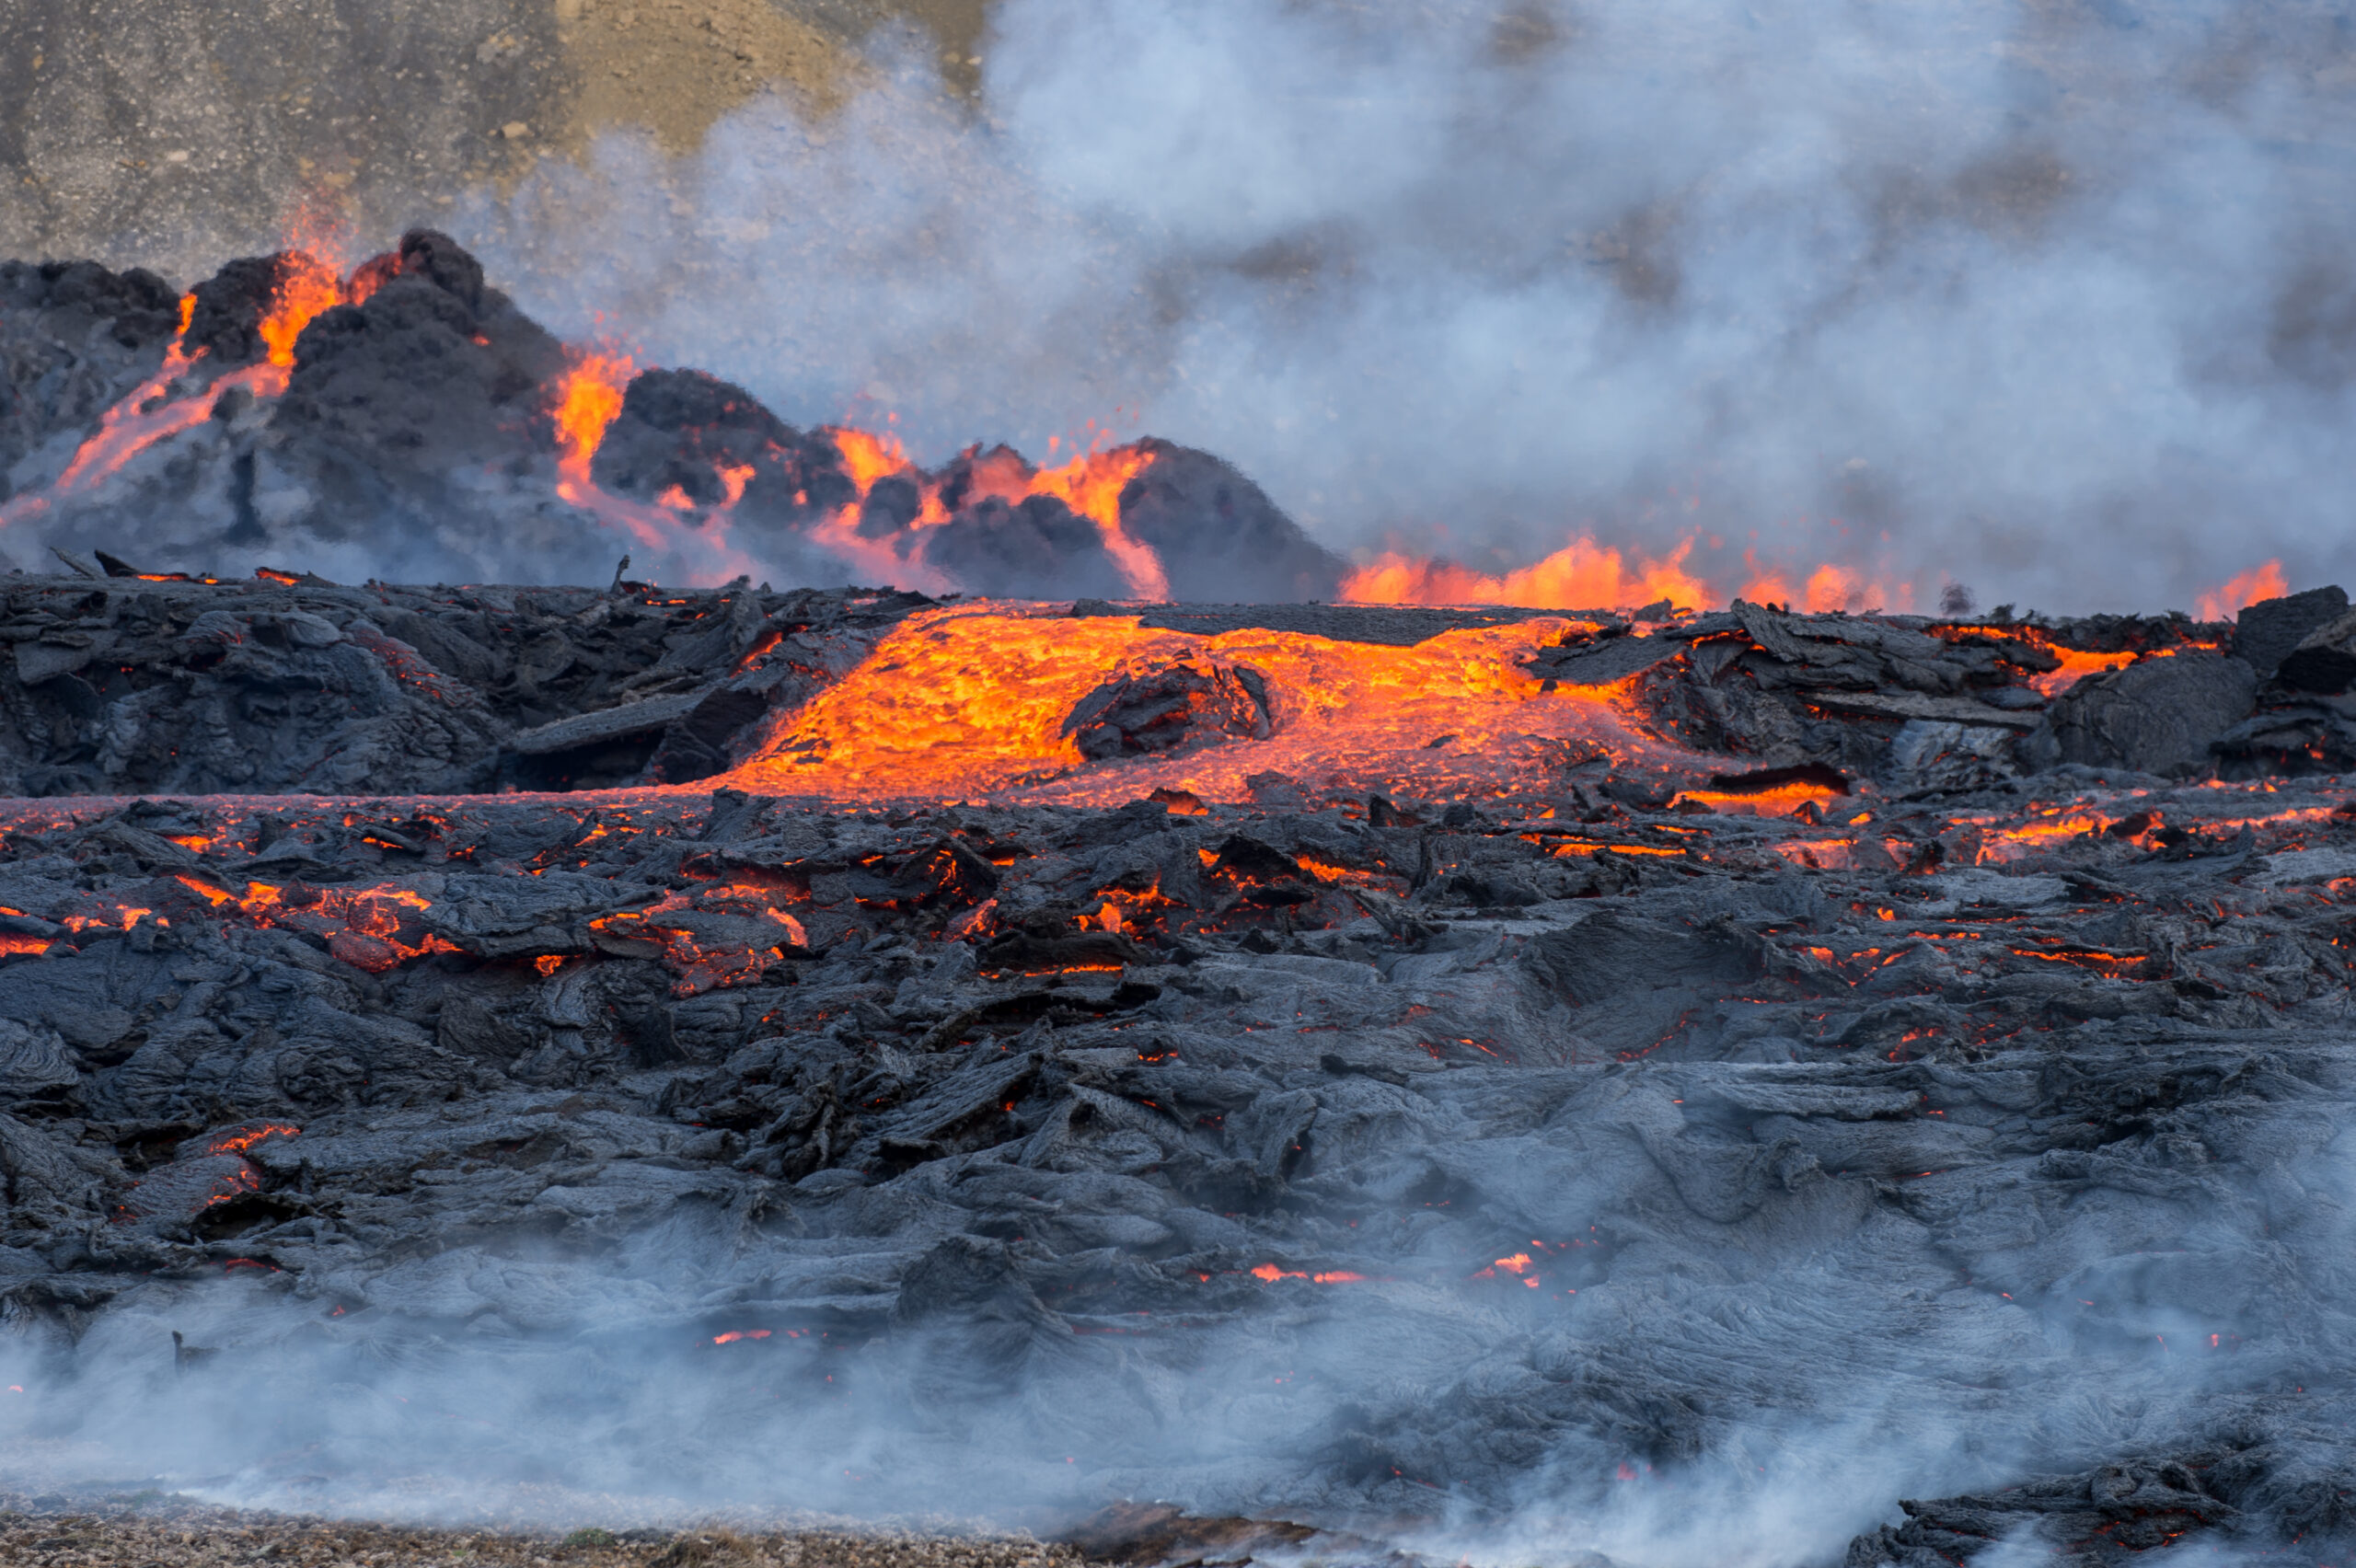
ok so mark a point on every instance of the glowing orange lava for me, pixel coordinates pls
(587, 398)
(167, 403)
(306, 287)
(586, 401)
(1782, 800)
(1581, 575)
(1271, 1273)
(972, 697)
(1829, 587)
(2240, 591)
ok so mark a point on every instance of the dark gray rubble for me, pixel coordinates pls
(120, 686)
(1472, 1165)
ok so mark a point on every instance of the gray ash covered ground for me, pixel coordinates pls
(1583, 1168)
(148, 1529)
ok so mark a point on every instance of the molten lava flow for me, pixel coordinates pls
(2076, 666)
(974, 698)
(1582, 574)
(2071, 664)
(1778, 799)
(2240, 591)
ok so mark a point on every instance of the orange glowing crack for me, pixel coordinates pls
(1271, 1273)
(246, 1138)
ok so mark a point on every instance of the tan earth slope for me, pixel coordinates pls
(173, 133)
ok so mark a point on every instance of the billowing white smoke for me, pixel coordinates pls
(2045, 298)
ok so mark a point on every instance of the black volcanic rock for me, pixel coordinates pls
(2324, 660)
(1221, 540)
(1564, 1147)
(434, 257)
(1164, 709)
(2265, 632)
(135, 308)
(74, 337)
(2156, 716)
(683, 430)
(226, 325)
(1035, 545)
(409, 388)
(155, 687)
(412, 440)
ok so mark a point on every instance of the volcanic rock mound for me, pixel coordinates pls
(407, 420)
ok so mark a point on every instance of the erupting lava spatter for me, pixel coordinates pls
(695, 543)
(2262, 582)
(1585, 574)
(587, 399)
(1828, 587)
(1582, 573)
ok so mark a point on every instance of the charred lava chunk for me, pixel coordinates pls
(1178, 705)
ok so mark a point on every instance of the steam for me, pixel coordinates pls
(2046, 299)
(1786, 1391)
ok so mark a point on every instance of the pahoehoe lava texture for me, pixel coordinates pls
(1972, 1132)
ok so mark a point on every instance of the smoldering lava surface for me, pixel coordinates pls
(1786, 1090)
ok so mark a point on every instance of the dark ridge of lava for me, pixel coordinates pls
(131, 685)
(1869, 1115)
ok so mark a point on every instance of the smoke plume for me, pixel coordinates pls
(2047, 298)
